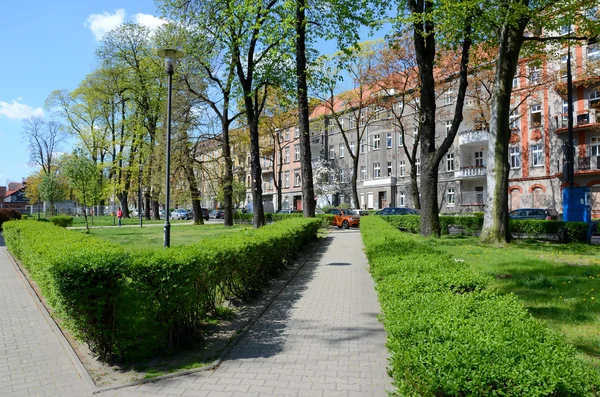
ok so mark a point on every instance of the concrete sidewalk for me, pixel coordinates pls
(320, 337)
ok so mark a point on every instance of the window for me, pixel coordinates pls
(448, 97)
(341, 150)
(563, 65)
(565, 109)
(400, 140)
(415, 134)
(376, 170)
(479, 194)
(418, 163)
(515, 82)
(363, 172)
(402, 199)
(286, 179)
(287, 135)
(362, 146)
(450, 197)
(286, 155)
(565, 29)
(537, 155)
(248, 181)
(342, 176)
(479, 159)
(595, 146)
(363, 117)
(352, 148)
(593, 52)
(296, 152)
(515, 157)
(352, 122)
(514, 120)
(536, 115)
(388, 140)
(535, 74)
(296, 178)
(450, 162)
(401, 168)
(331, 152)
(389, 168)
(448, 127)
(594, 101)
(296, 132)
(376, 141)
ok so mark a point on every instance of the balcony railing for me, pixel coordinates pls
(471, 172)
(580, 119)
(473, 136)
(587, 163)
(472, 198)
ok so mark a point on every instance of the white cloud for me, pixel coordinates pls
(150, 21)
(16, 110)
(100, 24)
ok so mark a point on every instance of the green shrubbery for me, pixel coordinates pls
(531, 228)
(448, 335)
(7, 214)
(62, 220)
(239, 217)
(125, 305)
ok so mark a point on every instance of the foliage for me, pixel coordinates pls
(62, 220)
(449, 335)
(7, 214)
(83, 177)
(126, 305)
(51, 189)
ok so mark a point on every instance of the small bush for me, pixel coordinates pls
(7, 214)
(62, 220)
(448, 335)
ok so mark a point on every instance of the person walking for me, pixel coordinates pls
(119, 215)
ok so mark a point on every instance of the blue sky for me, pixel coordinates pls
(46, 46)
(49, 45)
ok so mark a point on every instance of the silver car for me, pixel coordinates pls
(180, 213)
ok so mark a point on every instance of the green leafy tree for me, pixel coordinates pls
(51, 190)
(82, 175)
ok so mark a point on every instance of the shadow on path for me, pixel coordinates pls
(2, 240)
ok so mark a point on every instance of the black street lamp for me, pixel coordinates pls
(170, 56)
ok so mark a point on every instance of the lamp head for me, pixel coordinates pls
(170, 56)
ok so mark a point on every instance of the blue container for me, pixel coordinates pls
(577, 206)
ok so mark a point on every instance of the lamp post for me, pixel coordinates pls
(170, 56)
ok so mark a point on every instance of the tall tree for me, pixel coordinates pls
(43, 140)
(81, 172)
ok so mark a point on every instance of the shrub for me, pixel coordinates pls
(129, 305)
(7, 214)
(448, 335)
(62, 220)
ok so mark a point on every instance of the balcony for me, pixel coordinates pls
(472, 198)
(473, 137)
(581, 121)
(470, 172)
(587, 163)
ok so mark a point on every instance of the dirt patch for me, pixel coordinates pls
(218, 337)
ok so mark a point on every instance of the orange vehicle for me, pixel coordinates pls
(344, 218)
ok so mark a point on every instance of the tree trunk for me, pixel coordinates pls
(308, 191)
(258, 216)
(495, 218)
(430, 220)
(355, 201)
(414, 187)
(123, 200)
(228, 177)
(156, 209)
(195, 195)
(147, 205)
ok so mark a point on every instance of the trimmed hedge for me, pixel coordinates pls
(7, 214)
(531, 228)
(62, 220)
(129, 305)
(246, 218)
(448, 335)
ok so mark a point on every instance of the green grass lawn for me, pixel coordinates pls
(558, 283)
(152, 236)
(79, 221)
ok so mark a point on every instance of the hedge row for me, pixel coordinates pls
(448, 335)
(240, 217)
(532, 228)
(128, 305)
(62, 220)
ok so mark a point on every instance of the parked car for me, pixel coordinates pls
(287, 212)
(534, 213)
(205, 214)
(216, 214)
(378, 212)
(344, 218)
(360, 212)
(398, 211)
(181, 213)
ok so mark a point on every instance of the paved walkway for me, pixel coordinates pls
(320, 337)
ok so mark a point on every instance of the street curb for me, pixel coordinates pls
(85, 376)
(242, 332)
